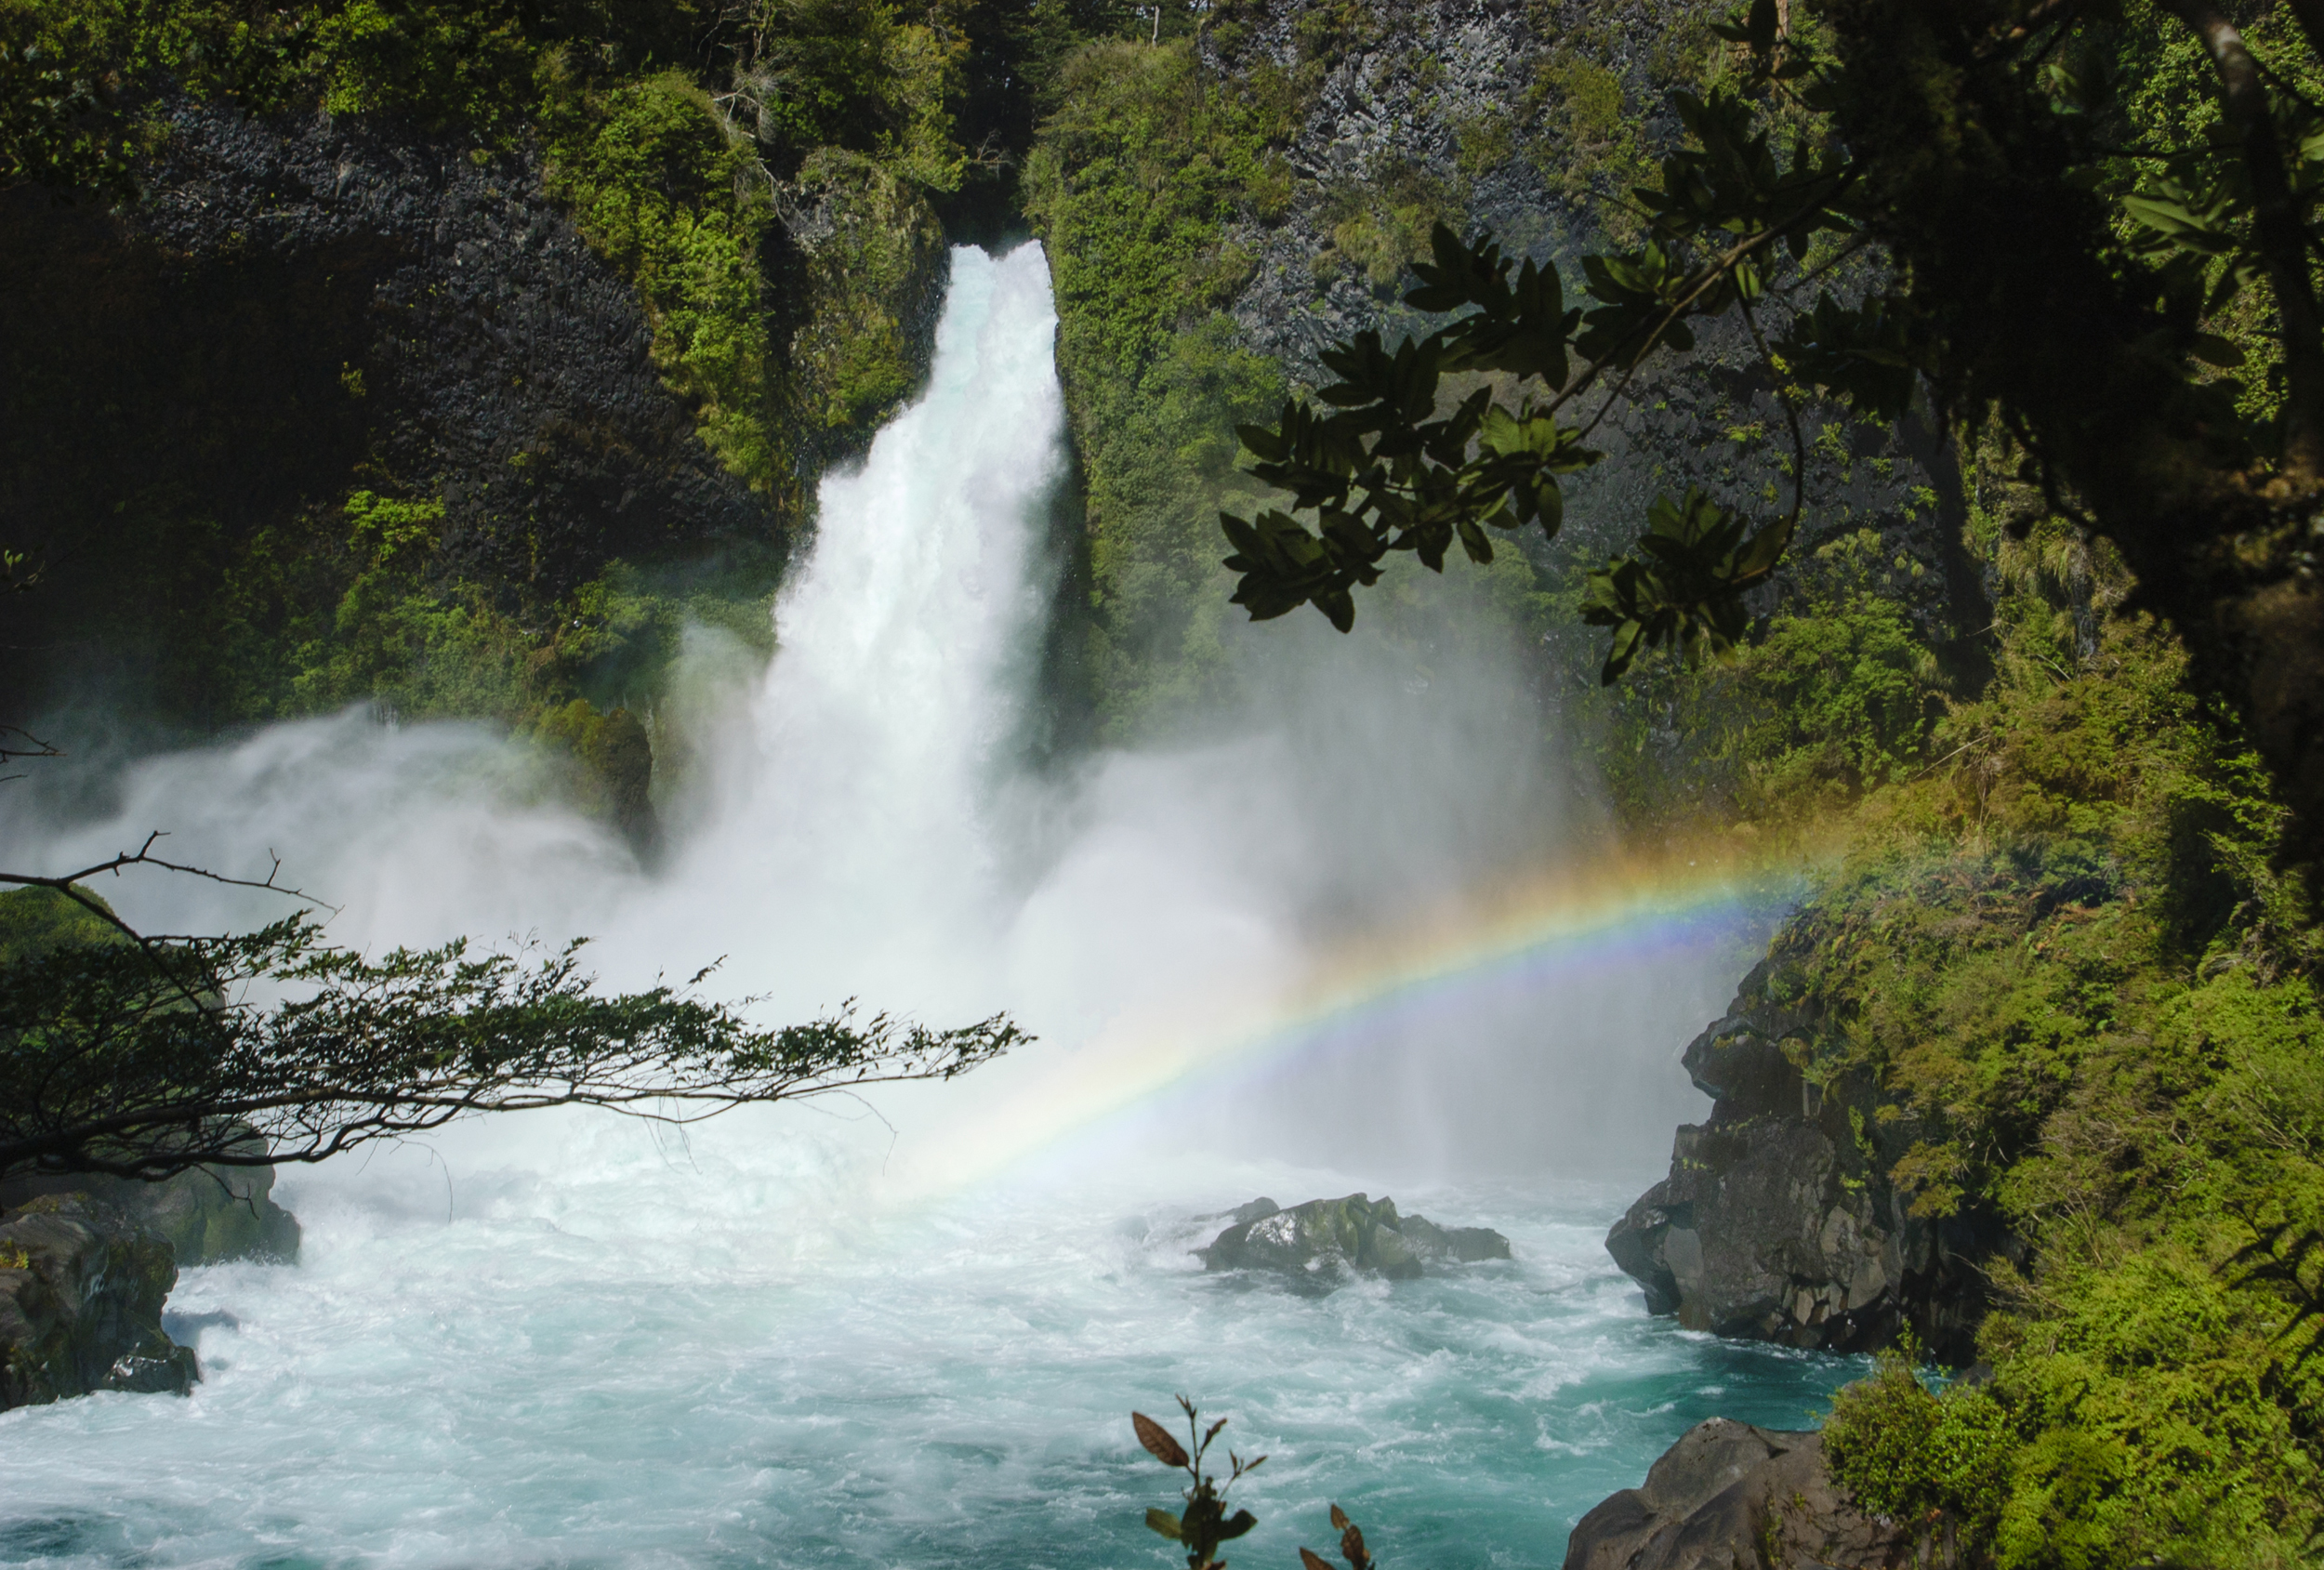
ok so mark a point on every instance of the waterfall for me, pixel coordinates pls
(908, 1333)
(849, 835)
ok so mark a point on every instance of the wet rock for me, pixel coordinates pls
(1325, 1241)
(1779, 1220)
(207, 1216)
(1728, 1495)
(82, 1285)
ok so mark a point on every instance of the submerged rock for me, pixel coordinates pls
(1324, 1240)
(1728, 1494)
(207, 1216)
(1779, 1220)
(82, 1285)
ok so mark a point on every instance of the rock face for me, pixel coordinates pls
(1728, 1495)
(1320, 1244)
(301, 307)
(82, 1287)
(207, 1216)
(1779, 1220)
(1437, 110)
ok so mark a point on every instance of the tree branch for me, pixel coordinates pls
(2282, 237)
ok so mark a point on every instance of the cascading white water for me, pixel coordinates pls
(793, 1338)
(851, 822)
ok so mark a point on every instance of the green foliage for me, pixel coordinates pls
(442, 64)
(662, 185)
(35, 921)
(849, 74)
(2063, 954)
(1838, 692)
(144, 1059)
(1203, 1525)
(852, 360)
(1130, 187)
(1931, 1460)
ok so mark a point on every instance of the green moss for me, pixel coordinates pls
(1381, 225)
(1131, 185)
(34, 921)
(872, 257)
(1590, 147)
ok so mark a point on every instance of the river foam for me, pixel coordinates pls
(908, 1330)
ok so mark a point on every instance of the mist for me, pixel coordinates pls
(859, 820)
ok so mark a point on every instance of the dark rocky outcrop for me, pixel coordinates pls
(207, 1216)
(1779, 1220)
(1322, 1242)
(82, 1285)
(1732, 1496)
(305, 304)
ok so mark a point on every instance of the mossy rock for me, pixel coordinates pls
(1320, 1244)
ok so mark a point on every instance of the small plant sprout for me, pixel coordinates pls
(1203, 1525)
(1351, 1545)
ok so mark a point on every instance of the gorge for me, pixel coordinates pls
(741, 482)
(869, 1344)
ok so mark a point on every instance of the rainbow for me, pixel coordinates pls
(1620, 909)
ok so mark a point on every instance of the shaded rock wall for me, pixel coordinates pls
(82, 1287)
(300, 307)
(1779, 1220)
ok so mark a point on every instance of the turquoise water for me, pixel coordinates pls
(617, 1357)
(915, 1338)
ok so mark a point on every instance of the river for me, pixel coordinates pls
(908, 1329)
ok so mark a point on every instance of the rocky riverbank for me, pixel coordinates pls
(1727, 1496)
(82, 1284)
(88, 1263)
(1779, 1220)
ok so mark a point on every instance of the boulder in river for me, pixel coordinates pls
(1730, 1495)
(1323, 1241)
(82, 1285)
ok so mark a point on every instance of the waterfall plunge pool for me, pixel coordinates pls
(910, 1333)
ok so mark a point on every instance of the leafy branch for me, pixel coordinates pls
(1204, 1524)
(1386, 471)
(111, 1063)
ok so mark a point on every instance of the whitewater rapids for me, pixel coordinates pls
(910, 1332)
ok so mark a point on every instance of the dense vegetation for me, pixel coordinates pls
(766, 178)
(2063, 927)
(2089, 1002)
